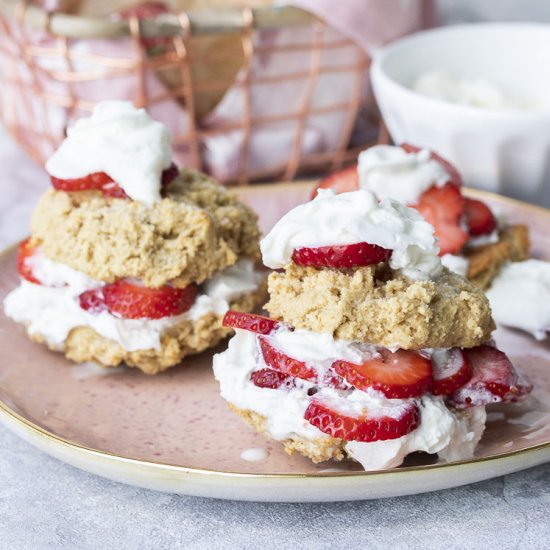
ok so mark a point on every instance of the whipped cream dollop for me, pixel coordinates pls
(456, 264)
(451, 434)
(520, 297)
(355, 217)
(475, 92)
(53, 311)
(391, 172)
(120, 140)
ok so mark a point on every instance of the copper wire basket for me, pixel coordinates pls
(48, 69)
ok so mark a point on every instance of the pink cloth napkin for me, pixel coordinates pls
(372, 23)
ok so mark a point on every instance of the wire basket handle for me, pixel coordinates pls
(223, 20)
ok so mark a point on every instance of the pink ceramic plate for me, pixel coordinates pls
(173, 432)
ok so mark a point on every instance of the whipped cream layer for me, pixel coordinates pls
(120, 140)
(355, 217)
(453, 435)
(390, 172)
(520, 297)
(53, 311)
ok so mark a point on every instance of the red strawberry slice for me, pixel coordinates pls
(494, 380)
(281, 362)
(24, 252)
(342, 181)
(478, 217)
(132, 301)
(391, 422)
(251, 322)
(100, 181)
(398, 375)
(454, 176)
(341, 256)
(272, 379)
(443, 208)
(93, 301)
(451, 370)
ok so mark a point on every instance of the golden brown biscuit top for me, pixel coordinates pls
(373, 305)
(198, 229)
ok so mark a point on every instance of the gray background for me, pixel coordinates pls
(46, 504)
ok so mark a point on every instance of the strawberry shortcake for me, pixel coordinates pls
(374, 350)
(132, 260)
(471, 240)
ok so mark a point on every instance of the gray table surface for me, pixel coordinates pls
(47, 504)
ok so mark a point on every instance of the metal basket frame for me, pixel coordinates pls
(20, 15)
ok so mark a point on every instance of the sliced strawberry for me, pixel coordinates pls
(283, 363)
(132, 301)
(478, 217)
(451, 370)
(494, 380)
(169, 175)
(389, 422)
(272, 379)
(443, 208)
(95, 181)
(341, 256)
(454, 176)
(100, 181)
(251, 322)
(24, 252)
(397, 375)
(342, 181)
(93, 301)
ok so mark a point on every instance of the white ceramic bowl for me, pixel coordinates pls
(506, 151)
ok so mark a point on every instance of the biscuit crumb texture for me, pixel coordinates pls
(186, 338)
(368, 305)
(318, 450)
(198, 229)
(486, 261)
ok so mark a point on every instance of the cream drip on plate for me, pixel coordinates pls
(120, 140)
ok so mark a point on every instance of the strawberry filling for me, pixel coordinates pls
(251, 322)
(100, 181)
(333, 420)
(24, 252)
(463, 378)
(289, 366)
(398, 375)
(272, 379)
(131, 301)
(478, 217)
(451, 369)
(494, 380)
(341, 256)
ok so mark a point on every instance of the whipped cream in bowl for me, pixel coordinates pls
(120, 140)
(391, 172)
(350, 218)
